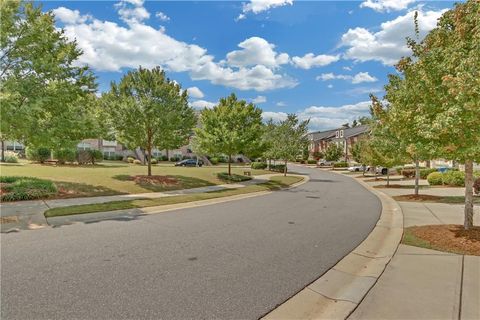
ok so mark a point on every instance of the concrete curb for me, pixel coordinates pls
(337, 293)
(132, 214)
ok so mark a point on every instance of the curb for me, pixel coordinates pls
(338, 292)
(132, 214)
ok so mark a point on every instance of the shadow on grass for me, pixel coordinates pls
(75, 190)
(164, 183)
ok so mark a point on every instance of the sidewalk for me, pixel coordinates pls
(29, 214)
(421, 283)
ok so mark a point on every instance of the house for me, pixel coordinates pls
(343, 137)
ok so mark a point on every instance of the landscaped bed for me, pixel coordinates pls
(449, 238)
(431, 198)
(275, 183)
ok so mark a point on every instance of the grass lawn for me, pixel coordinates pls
(275, 183)
(110, 176)
(438, 199)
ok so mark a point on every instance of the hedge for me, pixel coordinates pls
(425, 172)
(64, 155)
(408, 173)
(311, 161)
(341, 164)
(277, 167)
(258, 165)
(435, 178)
(39, 154)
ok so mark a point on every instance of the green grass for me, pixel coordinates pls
(410, 239)
(25, 188)
(275, 183)
(104, 173)
(436, 199)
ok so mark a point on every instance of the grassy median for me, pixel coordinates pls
(275, 183)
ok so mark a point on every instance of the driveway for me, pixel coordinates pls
(232, 260)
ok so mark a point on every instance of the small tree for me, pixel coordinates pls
(232, 127)
(147, 109)
(333, 152)
(290, 139)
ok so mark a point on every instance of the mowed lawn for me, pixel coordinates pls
(111, 174)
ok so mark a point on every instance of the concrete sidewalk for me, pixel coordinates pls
(421, 283)
(23, 215)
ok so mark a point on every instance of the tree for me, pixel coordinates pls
(290, 139)
(448, 77)
(232, 127)
(333, 152)
(41, 82)
(148, 110)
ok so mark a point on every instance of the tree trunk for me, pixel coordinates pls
(269, 163)
(229, 164)
(388, 178)
(168, 158)
(3, 151)
(149, 161)
(417, 176)
(468, 223)
(428, 164)
(285, 169)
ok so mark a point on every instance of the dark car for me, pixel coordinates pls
(189, 163)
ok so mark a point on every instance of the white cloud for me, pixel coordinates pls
(358, 78)
(195, 92)
(108, 46)
(330, 86)
(132, 11)
(310, 60)
(70, 16)
(202, 104)
(389, 44)
(275, 116)
(257, 6)
(162, 16)
(324, 118)
(259, 99)
(386, 5)
(256, 51)
(281, 104)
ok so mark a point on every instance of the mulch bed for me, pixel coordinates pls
(451, 238)
(162, 180)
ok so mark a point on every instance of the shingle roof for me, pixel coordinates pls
(355, 131)
(320, 135)
(347, 133)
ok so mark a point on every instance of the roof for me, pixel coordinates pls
(355, 131)
(320, 135)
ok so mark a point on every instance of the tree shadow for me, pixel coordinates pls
(158, 183)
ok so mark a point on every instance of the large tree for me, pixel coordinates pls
(148, 110)
(289, 139)
(232, 127)
(45, 97)
(447, 64)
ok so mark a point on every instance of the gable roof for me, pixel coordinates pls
(355, 131)
(321, 135)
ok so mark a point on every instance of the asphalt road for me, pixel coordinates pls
(233, 260)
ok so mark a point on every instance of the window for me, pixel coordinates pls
(341, 133)
(337, 134)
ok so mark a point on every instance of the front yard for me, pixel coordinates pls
(116, 177)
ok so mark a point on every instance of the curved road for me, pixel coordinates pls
(231, 260)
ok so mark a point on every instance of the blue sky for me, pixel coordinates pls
(319, 59)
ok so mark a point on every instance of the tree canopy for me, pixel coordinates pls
(232, 127)
(148, 110)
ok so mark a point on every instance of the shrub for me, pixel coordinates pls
(258, 165)
(136, 161)
(153, 161)
(232, 178)
(277, 167)
(163, 158)
(175, 158)
(435, 178)
(39, 154)
(311, 161)
(65, 155)
(214, 160)
(425, 172)
(341, 164)
(130, 159)
(408, 173)
(476, 186)
(454, 178)
(11, 157)
(95, 156)
(26, 188)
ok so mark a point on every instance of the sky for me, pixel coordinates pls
(318, 59)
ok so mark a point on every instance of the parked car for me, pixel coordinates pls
(189, 163)
(356, 168)
(378, 170)
(324, 163)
